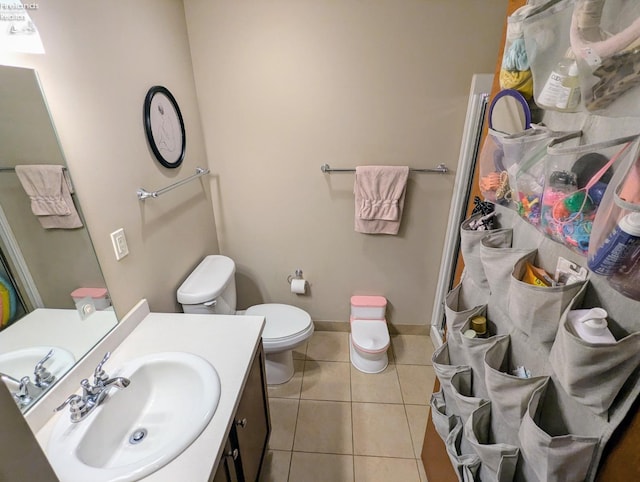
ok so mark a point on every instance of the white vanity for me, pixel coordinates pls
(232, 445)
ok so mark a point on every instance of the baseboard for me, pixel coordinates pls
(394, 329)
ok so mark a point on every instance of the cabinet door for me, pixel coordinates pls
(226, 471)
(252, 423)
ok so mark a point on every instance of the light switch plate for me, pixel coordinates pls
(119, 242)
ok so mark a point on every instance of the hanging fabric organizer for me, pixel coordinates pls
(554, 425)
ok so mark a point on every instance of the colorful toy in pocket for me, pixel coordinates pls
(571, 199)
(577, 234)
(567, 212)
(498, 183)
(529, 207)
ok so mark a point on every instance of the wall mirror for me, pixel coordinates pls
(40, 268)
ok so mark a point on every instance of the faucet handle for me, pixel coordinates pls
(22, 396)
(46, 357)
(43, 377)
(99, 375)
(88, 389)
(77, 407)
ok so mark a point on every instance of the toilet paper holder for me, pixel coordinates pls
(297, 275)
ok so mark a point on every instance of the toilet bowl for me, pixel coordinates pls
(211, 289)
(286, 327)
(369, 341)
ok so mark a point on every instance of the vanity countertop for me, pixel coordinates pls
(227, 342)
(57, 327)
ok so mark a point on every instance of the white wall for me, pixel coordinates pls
(285, 86)
(101, 58)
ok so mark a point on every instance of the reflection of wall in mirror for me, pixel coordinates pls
(58, 260)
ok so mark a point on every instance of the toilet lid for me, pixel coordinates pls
(370, 335)
(281, 321)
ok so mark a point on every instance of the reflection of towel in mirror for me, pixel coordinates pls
(379, 198)
(50, 196)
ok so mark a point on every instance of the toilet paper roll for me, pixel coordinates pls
(298, 286)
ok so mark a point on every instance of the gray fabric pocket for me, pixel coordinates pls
(445, 371)
(466, 465)
(552, 458)
(498, 262)
(536, 310)
(509, 394)
(465, 405)
(474, 350)
(441, 421)
(456, 315)
(499, 460)
(593, 374)
(470, 249)
(463, 397)
(470, 294)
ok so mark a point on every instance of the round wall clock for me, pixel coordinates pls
(164, 127)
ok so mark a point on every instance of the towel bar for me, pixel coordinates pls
(439, 169)
(144, 194)
(13, 169)
(65, 173)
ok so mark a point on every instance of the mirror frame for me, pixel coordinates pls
(156, 97)
(521, 101)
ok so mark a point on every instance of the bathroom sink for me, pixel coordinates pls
(20, 363)
(135, 431)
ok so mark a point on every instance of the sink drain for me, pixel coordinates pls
(138, 436)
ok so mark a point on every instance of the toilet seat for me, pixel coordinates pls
(285, 326)
(370, 336)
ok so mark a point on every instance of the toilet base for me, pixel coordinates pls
(368, 362)
(279, 367)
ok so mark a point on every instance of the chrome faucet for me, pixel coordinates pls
(25, 390)
(21, 390)
(92, 394)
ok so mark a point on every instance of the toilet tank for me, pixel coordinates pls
(210, 288)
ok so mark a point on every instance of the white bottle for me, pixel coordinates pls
(591, 325)
(562, 89)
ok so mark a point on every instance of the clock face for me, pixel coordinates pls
(164, 127)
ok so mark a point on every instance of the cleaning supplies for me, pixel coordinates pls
(591, 325)
(562, 89)
(621, 242)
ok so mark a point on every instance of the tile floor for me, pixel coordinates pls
(333, 423)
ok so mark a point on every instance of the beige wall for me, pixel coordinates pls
(285, 86)
(101, 58)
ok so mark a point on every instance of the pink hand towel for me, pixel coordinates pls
(50, 197)
(379, 198)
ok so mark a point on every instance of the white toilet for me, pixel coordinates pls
(211, 289)
(369, 338)
(369, 344)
